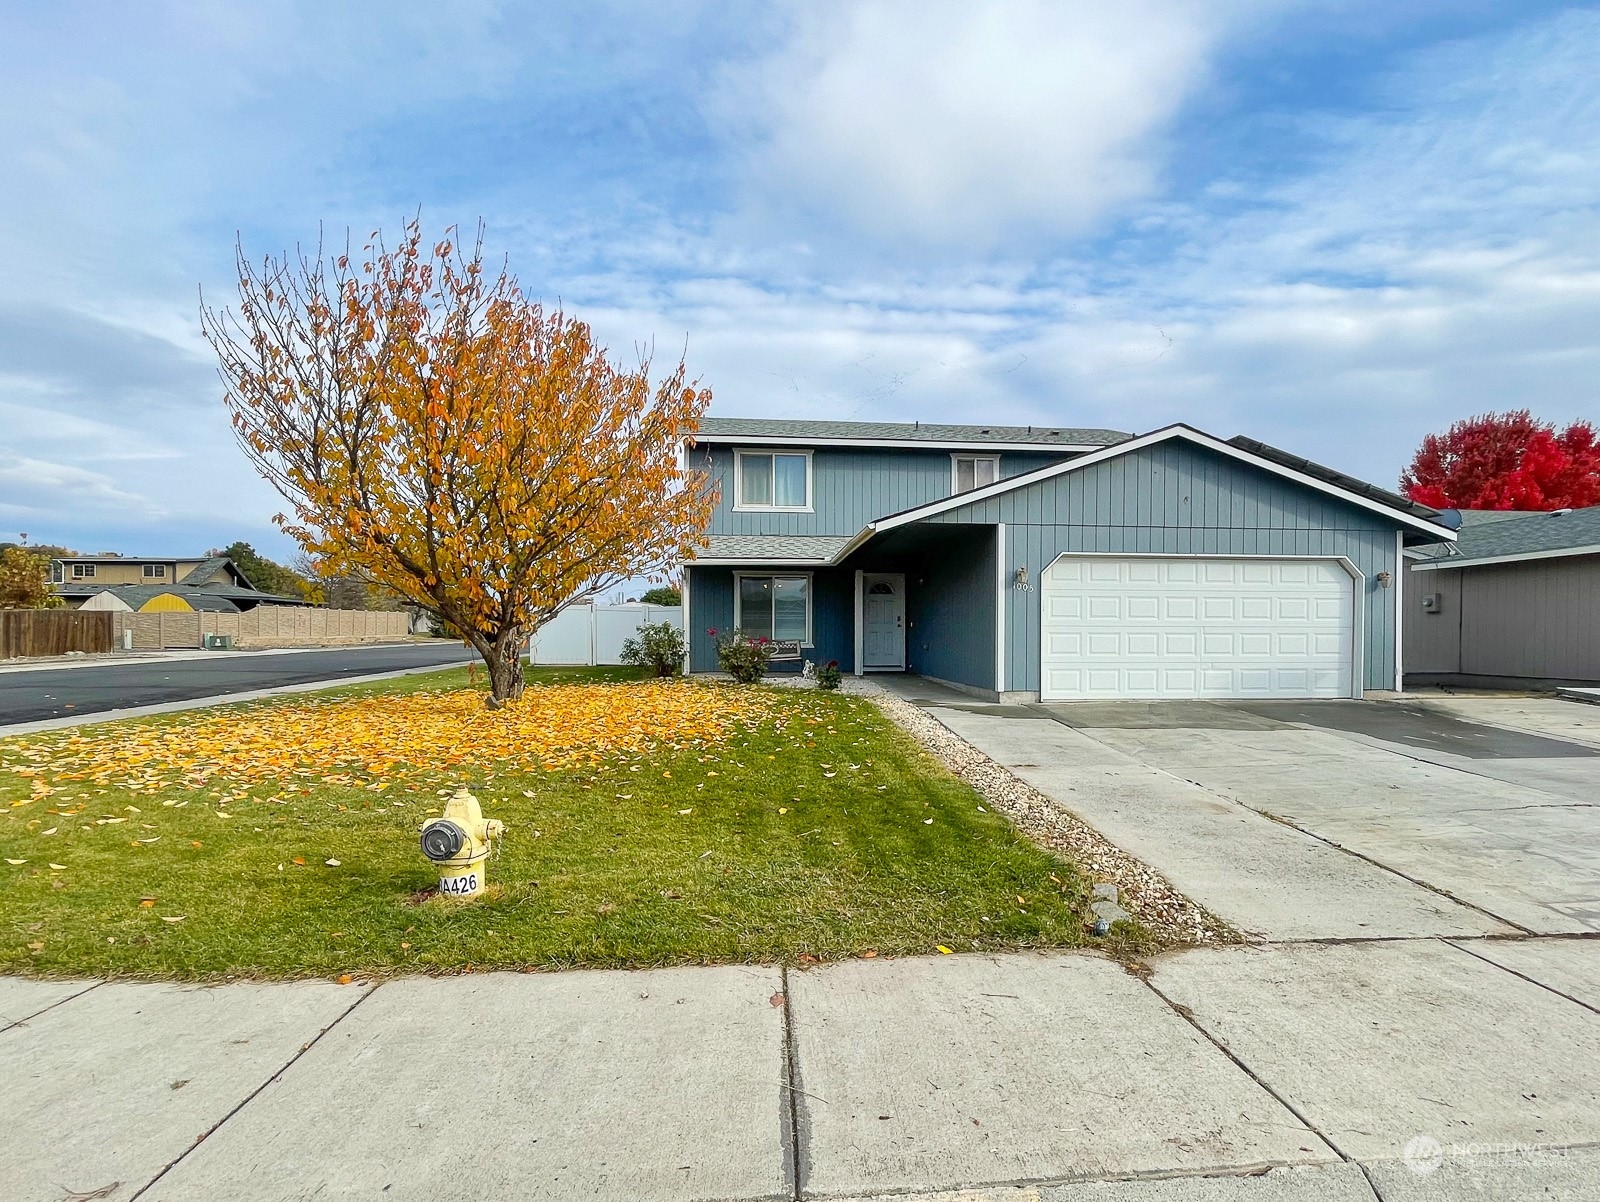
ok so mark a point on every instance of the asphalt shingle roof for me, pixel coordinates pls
(1487, 537)
(755, 427)
(207, 571)
(788, 548)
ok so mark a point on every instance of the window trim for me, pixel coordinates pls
(83, 571)
(155, 571)
(738, 481)
(811, 598)
(956, 458)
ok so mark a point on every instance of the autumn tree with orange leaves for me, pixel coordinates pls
(440, 434)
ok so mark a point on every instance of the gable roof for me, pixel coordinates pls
(1329, 476)
(1511, 537)
(208, 570)
(762, 431)
(1406, 514)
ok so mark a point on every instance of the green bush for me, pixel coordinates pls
(828, 675)
(658, 646)
(743, 659)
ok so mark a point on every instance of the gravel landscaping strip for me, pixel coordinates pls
(1149, 896)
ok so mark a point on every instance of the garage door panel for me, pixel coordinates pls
(1151, 626)
(1063, 607)
(1063, 644)
(1105, 643)
(1144, 609)
(1177, 644)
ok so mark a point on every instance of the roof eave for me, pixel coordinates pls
(915, 444)
(1461, 561)
(1179, 430)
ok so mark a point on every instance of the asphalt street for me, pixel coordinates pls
(58, 693)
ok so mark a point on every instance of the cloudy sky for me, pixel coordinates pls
(1331, 224)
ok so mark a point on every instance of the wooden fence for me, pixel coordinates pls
(31, 632)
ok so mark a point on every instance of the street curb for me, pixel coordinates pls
(195, 703)
(56, 663)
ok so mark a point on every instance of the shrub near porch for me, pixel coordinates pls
(649, 823)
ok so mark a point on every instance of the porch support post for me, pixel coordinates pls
(1000, 610)
(860, 610)
(688, 625)
(1399, 609)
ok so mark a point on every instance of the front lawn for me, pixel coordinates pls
(648, 823)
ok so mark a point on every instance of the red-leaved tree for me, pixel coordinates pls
(1506, 461)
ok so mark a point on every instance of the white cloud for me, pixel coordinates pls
(31, 488)
(950, 123)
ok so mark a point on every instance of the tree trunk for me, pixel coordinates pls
(503, 658)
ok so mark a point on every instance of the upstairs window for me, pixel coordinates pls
(155, 571)
(83, 571)
(973, 471)
(772, 479)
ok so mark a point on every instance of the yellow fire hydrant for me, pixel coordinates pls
(458, 842)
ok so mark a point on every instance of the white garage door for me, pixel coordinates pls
(1194, 627)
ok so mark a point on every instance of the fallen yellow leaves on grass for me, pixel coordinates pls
(369, 741)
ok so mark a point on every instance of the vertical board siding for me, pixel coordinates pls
(950, 605)
(850, 487)
(1432, 640)
(832, 616)
(1535, 619)
(1178, 499)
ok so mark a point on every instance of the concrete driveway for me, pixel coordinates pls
(1334, 819)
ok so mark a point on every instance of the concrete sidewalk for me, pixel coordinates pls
(1275, 1072)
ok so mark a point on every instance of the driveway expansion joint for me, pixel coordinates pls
(1335, 845)
(1522, 975)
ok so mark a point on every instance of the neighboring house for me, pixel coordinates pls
(129, 583)
(1053, 563)
(1516, 602)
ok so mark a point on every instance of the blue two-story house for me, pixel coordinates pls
(1033, 563)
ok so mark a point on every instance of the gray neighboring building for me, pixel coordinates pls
(1054, 564)
(1515, 603)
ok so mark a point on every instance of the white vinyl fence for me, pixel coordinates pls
(593, 634)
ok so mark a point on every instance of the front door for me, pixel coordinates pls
(883, 620)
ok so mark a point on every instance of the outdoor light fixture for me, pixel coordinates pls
(1021, 577)
(1384, 578)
